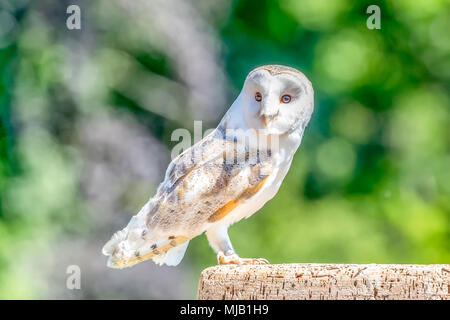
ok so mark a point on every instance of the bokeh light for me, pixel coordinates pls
(87, 115)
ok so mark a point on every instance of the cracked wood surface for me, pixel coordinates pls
(325, 281)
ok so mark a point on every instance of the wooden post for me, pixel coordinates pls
(325, 281)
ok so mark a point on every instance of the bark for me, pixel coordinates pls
(325, 281)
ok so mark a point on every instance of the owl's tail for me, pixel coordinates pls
(123, 252)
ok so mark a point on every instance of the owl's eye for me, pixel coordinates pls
(258, 96)
(286, 98)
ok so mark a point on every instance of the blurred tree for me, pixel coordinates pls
(87, 116)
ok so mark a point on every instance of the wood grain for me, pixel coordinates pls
(325, 281)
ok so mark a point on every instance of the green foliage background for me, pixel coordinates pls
(370, 183)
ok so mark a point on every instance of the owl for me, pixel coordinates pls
(227, 176)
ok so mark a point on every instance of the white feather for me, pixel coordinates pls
(172, 257)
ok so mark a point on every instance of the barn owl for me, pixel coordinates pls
(227, 176)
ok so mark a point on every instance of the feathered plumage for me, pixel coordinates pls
(223, 178)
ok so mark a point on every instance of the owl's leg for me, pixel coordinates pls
(220, 241)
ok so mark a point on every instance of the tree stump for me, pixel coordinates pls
(325, 281)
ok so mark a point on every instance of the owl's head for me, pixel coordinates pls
(277, 99)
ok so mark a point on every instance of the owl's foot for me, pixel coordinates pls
(233, 258)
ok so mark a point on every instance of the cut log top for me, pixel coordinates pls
(325, 281)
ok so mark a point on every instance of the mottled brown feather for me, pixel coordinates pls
(121, 263)
(231, 205)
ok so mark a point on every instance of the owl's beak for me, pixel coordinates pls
(268, 114)
(267, 120)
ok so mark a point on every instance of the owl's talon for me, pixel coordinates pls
(256, 261)
(229, 258)
(233, 258)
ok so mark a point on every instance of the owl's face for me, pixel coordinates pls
(277, 99)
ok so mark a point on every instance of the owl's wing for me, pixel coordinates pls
(202, 186)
